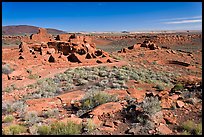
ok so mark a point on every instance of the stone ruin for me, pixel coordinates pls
(146, 44)
(68, 47)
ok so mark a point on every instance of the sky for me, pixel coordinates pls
(105, 16)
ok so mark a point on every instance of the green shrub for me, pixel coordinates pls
(159, 87)
(8, 119)
(178, 87)
(60, 128)
(198, 129)
(96, 98)
(33, 76)
(192, 127)
(33, 130)
(14, 130)
(185, 133)
(51, 113)
(44, 130)
(10, 88)
(188, 125)
(32, 86)
(90, 126)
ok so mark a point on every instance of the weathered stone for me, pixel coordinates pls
(106, 108)
(163, 129)
(180, 103)
(109, 124)
(138, 94)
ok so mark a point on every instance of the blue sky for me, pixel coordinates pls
(105, 16)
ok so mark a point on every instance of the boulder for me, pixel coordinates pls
(135, 46)
(107, 108)
(163, 129)
(180, 103)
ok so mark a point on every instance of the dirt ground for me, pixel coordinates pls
(174, 62)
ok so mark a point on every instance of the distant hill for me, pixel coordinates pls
(26, 29)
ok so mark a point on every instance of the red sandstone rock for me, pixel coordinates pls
(106, 108)
(180, 103)
(163, 129)
(109, 124)
(166, 102)
(138, 94)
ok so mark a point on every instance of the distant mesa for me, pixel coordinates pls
(26, 29)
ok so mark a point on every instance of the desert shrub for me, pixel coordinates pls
(93, 77)
(82, 81)
(122, 76)
(60, 128)
(178, 87)
(33, 76)
(10, 88)
(103, 73)
(18, 106)
(93, 88)
(33, 130)
(159, 87)
(101, 68)
(69, 128)
(14, 130)
(6, 69)
(44, 130)
(192, 128)
(103, 83)
(96, 98)
(51, 113)
(115, 85)
(198, 129)
(6, 107)
(32, 86)
(185, 133)
(31, 118)
(8, 119)
(90, 126)
(151, 105)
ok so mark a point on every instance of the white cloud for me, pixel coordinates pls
(184, 18)
(183, 21)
